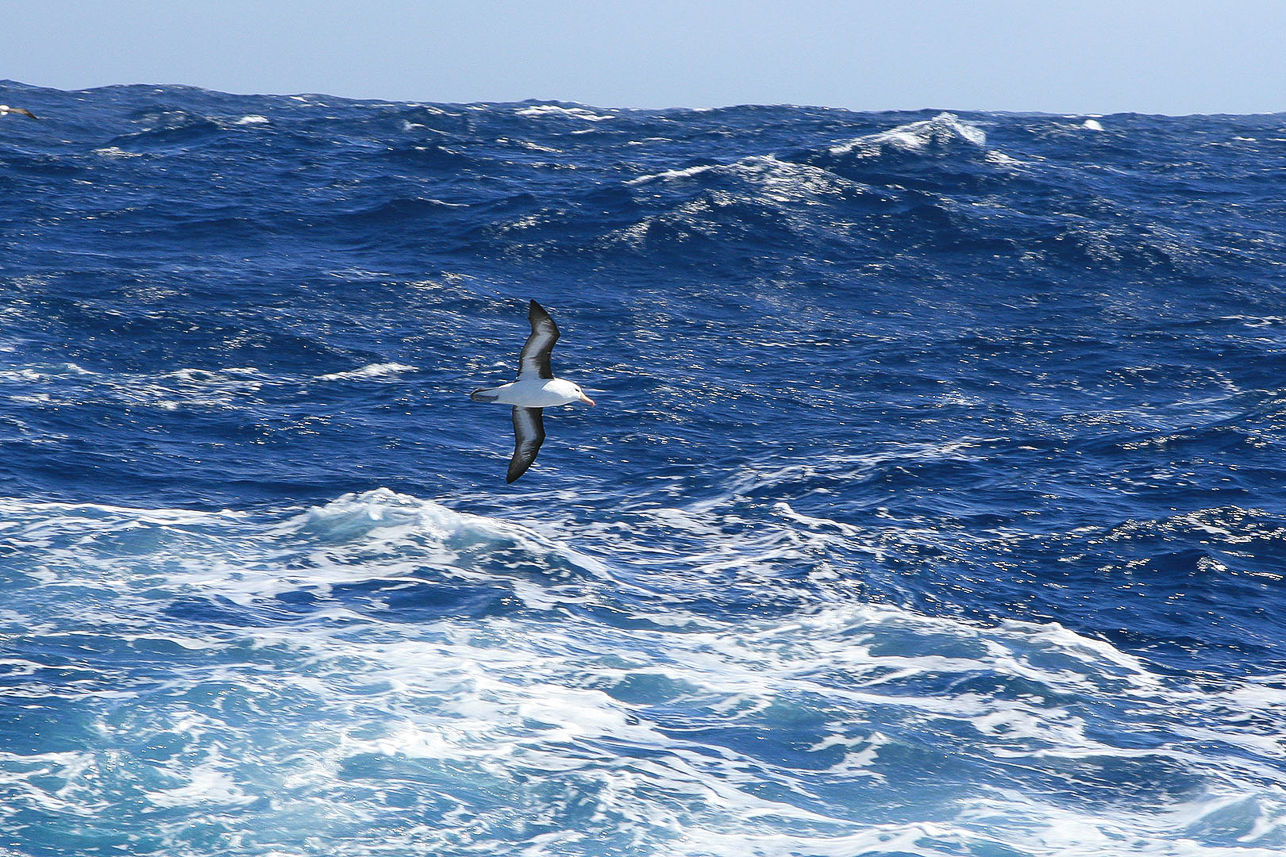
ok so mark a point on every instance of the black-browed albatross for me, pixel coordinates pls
(535, 388)
(5, 109)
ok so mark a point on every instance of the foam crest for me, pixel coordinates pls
(384, 516)
(69, 384)
(760, 198)
(44, 373)
(689, 706)
(382, 513)
(791, 198)
(546, 110)
(370, 372)
(942, 131)
(766, 178)
(299, 672)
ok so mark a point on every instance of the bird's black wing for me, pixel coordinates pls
(535, 353)
(529, 434)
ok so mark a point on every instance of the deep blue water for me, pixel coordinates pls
(934, 502)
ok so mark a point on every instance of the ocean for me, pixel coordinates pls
(934, 502)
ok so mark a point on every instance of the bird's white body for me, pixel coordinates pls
(529, 392)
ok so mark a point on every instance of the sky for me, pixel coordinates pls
(1053, 56)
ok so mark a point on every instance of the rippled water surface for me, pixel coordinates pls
(933, 503)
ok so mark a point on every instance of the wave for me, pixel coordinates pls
(928, 186)
(168, 131)
(821, 170)
(562, 112)
(930, 506)
(308, 669)
(938, 136)
(372, 371)
(844, 199)
(70, 385)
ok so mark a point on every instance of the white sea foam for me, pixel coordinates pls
(942, 129)
(569, 112)
(1000, 159)
(671, 175)
(770, 178)
(373, 371)
(43, 373)
(174, 390)
(791, 190)
(116, 152)
(204, 784)
(672, 731)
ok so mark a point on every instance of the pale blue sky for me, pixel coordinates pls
(1060, 56)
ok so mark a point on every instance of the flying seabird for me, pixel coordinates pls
(5, 109)
(534, 388)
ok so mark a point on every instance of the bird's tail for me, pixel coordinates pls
(483, 395)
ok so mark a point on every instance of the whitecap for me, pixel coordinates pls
(206, 785)
(945, 128)
(174, 390)
(116, 152)
(670, 175)
(373, 371)
(529, 146)
(569, 112)
(1000, 159)
(768, 177)
(45, 372)
(653, 721)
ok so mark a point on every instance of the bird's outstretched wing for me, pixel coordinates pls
(535, 353)
(529, 434)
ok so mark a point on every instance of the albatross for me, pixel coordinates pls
(5, 110)
(534, 389)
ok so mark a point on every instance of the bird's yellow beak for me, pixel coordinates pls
(586, 399)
